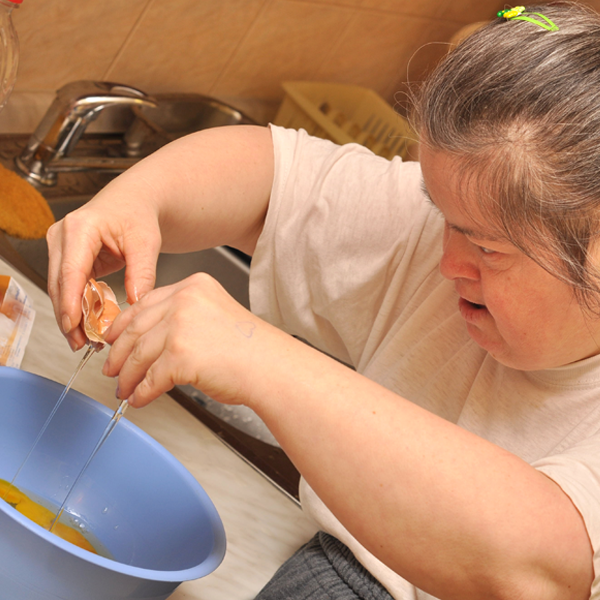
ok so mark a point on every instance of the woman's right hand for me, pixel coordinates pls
(107, 233)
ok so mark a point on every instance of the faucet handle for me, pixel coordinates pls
(89, 95)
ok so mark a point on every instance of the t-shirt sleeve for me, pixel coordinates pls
(342, 225)
(577, 472)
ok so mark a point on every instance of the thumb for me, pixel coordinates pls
(140, 271)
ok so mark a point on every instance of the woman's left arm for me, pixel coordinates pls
(452, 513)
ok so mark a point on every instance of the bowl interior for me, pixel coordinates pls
(135, 498)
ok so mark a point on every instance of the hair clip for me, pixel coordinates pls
(518, 14)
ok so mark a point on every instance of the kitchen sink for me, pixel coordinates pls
(238, 426)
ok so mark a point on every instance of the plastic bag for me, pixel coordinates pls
(16, 321)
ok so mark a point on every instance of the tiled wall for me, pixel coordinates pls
(235, 50)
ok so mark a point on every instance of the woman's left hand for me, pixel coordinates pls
(192, 332)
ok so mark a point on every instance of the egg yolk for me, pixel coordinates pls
(41, 515)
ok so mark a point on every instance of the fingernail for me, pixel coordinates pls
(73, 345)
(66, 324)
(105, 368)
(118, 393)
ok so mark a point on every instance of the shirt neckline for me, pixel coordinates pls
(582, 372)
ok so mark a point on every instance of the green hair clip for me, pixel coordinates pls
(518, 14)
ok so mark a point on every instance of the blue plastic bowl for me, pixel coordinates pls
(135, 498)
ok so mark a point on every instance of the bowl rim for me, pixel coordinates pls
(209, 564)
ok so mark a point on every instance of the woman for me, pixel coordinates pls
(460, 457)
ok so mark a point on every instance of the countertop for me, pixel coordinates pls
(263, 526)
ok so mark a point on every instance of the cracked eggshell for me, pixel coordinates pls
(100, 308)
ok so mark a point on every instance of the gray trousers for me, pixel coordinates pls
(323, 569)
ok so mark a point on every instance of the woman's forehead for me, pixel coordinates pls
(459, 194)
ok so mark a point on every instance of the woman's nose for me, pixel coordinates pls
(458, 260)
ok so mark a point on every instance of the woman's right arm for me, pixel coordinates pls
(207, 189)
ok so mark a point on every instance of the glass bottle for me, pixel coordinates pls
(9, 49)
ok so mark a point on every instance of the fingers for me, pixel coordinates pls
(63, 283)
(139, 379)
(138, 337)
(147, 370)
(125, 333)
(157, 380)
(140, 271)
(125, 318)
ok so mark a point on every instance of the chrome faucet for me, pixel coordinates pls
(75, 106)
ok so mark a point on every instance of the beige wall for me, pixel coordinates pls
(235, 50)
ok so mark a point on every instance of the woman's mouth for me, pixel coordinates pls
(471, 311)
(475, 304)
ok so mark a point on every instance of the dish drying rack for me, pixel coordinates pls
(344, 114)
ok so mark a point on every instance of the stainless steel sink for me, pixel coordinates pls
(173, 116)
(238, 426)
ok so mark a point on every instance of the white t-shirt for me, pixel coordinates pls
(348, 260)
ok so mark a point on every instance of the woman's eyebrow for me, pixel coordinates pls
(473, 233)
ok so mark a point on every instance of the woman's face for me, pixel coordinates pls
(523, 316)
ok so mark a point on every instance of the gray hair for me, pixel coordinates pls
(519, 107)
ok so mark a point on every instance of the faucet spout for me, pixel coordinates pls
(75, 106)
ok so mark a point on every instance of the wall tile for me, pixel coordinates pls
(347, 3)
(426, 8)
(422, 8)
(184, 45)
(430, 48)
(62, 41)
(23, 111)
(289, 41)
(468, 11)
(380, 51)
